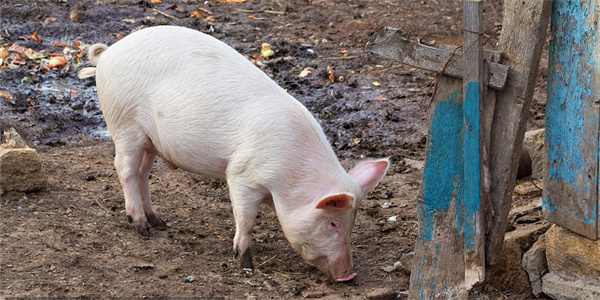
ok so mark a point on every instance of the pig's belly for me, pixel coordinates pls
(191, 151)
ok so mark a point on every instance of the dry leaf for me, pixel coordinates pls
(156, 1)
(331, 76)
(3, 52)
(16, 48)
(305, 73)
(76, 44)
(205, 10)
(195, 14)
(7, 96)
(31, 54)
(49, 21)
(235, 1)
(57, 61)
(376, 83)
(59, 44)
(36, 38)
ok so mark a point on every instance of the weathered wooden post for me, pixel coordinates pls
(449, 253)
(473, 93)
(523, 36)
(572, 112)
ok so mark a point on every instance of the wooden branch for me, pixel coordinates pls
(390, 43)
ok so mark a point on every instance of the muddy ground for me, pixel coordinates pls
(72, 239)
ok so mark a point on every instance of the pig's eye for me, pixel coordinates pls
(334, 225)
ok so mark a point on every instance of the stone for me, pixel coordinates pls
(529, 189)
(415, 164)
(535, 264)
(312, 294)
(558, 288)
(534, 142)
(508, 275)
(406, 261)
(20, 166)
(382, 294)
(573, 257)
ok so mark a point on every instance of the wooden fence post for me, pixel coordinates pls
(523, 36)
(473, 91)
(571, 179)
(449, 253)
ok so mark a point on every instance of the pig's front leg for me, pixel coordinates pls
(245, 202)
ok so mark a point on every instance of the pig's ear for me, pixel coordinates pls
(368, 174)
(339, 201)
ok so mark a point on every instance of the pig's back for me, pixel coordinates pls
(203, 105)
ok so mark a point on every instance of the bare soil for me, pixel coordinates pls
(72, 239)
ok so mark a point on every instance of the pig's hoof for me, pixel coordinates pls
(143, 229)
(156, 222)
(246, 260)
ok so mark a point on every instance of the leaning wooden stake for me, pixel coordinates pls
(523, 36)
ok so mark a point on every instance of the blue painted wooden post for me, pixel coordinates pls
(449, 255)
(473, 88)
(572, 109)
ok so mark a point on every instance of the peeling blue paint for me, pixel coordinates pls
(571, 131)
(548, 205)
(442, 176)
(472, 166)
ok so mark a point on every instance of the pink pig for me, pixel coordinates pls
(201, 106)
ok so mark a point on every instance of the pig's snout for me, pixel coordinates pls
(347, 278)
(341, 269)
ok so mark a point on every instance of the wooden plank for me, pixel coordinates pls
(473, 85)
(523, 36)
(489, 55)
(389, 43)
(572, 109)
(440, 242)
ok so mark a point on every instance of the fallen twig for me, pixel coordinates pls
(165, 14)
(108, 211)
(341, 57)
(261, 11)
(266, 261)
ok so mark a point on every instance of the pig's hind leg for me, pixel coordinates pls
(245, 202)
(128, 162)
(143, 175)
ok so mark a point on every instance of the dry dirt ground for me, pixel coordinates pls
(72, 239)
